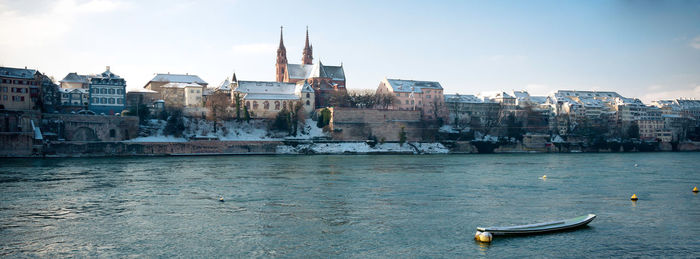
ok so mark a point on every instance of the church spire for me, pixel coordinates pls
(281, 64)
(308, 56)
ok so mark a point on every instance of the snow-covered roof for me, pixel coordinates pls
(303, 87)
(538, 99)
(628, 101)
(141, 90)
(299, 71)
(17, 72)
(225, 85)
(464, 98)
(588, 102)
(181, 85)
(256, 96)
(495, 95)
(304, 71)
(591, 94)
(520, 94)
(75, 78)
(399, 85)
(178, 78)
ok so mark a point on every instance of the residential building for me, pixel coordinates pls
(425, 96)
(162, 79)
(74, 92)
(20, 89)
(180, 95)
(107, 93)
(469, 110)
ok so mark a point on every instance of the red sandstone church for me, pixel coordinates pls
(325, 80)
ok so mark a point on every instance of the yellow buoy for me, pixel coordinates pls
(544, 176)
(476, 236)
(695, 189)
(221, 198)
(634, 197)
(485, 237)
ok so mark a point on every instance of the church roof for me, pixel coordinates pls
(399, 85)
(299, 71)
(178, 78)
(265, 90)
(304, 87)
(302, 71)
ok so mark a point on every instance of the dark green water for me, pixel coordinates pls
(348, 206)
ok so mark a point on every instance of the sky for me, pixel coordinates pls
(644, 49)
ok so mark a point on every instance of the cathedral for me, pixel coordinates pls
(325, 80)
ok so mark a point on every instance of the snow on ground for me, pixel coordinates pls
(255, 130)
(360, 147)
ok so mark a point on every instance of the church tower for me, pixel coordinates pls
(281, 65)
(308, 55)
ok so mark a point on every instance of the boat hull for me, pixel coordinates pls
(540, 227)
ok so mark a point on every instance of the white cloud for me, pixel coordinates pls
(695, 43)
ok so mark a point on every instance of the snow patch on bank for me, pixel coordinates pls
(363, 148)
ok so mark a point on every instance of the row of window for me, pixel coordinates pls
(193, 91)
(104, 100)
(14, 98)
(106, 91)
(19, 82)
(266, 104)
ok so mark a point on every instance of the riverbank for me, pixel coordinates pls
(309, 147)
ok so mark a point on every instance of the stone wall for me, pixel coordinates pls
(358, 124)
(18, 144)
(79, 149)
(75, 127)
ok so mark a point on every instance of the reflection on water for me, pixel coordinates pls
(348, 206)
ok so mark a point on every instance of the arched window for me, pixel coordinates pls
(247, 104)
(277, 105)
(308, 103)
(255, 105)
(284, 103)
(103, 100)
(266, 105)
(308, 95)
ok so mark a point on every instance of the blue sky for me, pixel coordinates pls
(644, 49)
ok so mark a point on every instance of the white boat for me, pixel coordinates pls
(540, 227)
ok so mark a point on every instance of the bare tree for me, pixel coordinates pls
(218, 104)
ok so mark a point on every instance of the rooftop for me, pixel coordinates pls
(178, 78)
(21, 73)
(399, 85)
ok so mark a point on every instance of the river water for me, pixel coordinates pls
(348, 206)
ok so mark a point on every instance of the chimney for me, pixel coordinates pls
(107, 68)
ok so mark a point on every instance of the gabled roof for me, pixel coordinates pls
(318, 70)
(225, 85)
(261, 90)
(303, 87)
(21, 73)
(75, 78)
(178, 78)
(398, 85)
(335, 72)
(299, 71)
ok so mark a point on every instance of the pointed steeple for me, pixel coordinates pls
(308, 56)
(281, 64)
(233, 79)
